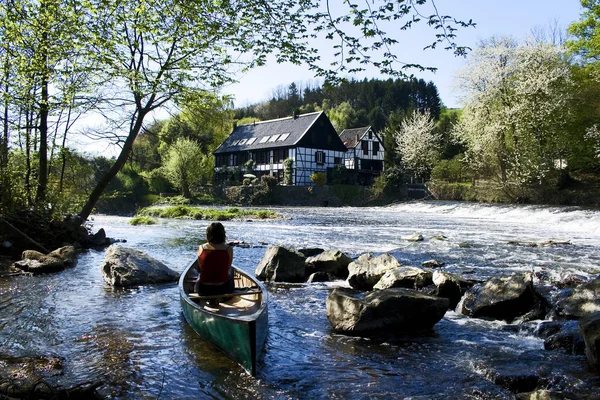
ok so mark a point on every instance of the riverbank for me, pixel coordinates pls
(582, 189)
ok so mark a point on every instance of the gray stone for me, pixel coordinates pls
(580, 302)
(311, 251)
(590, 330)
(36, 262)
(432, 264)
(385, 311)
(125, 267)
(366, 271)
(405, 277)
(450, 286)
(333, 262)
(318, 277)
(417, 237)
(503, 298)
(281, 265)
(568, 338)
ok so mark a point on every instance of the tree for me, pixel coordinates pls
(516, 110)
(418, 143)
(183, 164)
(586, 32)
(146, 55)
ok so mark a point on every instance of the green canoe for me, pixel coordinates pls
(235, 323)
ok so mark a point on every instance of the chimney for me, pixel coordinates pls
(295, 115)
(356, 138)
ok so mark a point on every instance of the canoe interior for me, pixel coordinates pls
(237, 325)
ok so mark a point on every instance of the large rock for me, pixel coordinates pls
(393, 310)
(366, 270)
(333, 262)
(451, 286)
(580, 302)
(281, 265)
(404, 277)
(567, 338)
(590, 330)
(503, 298)
(36, 262)
(125, 267)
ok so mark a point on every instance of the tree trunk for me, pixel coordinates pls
(43, 128)
(137, 120)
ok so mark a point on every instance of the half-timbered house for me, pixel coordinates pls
(310, 140)
(365, 149)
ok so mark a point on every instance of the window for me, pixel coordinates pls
(320, 157)
(221, 160)
(370, 135)
(278, 156)
(264, 139)
(337, 160)
(250, 141)
(283, 137)
(241, 142)
(375, 148)
(365, 147)
(262, 157)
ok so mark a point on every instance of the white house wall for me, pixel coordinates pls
(305, 164)
(353, 156)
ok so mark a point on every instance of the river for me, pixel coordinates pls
(137, 342)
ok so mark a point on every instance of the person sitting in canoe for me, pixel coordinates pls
(214, 262)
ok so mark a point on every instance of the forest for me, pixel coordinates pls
(528, 129)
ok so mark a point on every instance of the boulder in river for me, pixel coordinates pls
(39, 263)
(580, 302)
(417, 237)
(504, 299)
(333, 262)
(590, 330)
(384, 311)
(567, 338)
(281, 265)
(405, 277)
(366, 270)
(125, 267)
(450, 286)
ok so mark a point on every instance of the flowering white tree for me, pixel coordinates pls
(516, 109)
(417, 143)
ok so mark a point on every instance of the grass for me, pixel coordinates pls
(206, 213)
(142, 220)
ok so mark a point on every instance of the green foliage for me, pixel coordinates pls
(388, 182)
(206, 213)
(339, 175)
(142, 220)
(288, 171)
(183, 164)
(586, 34)
(318, 178)
(516, 120)
(268, 181)
(450, 170)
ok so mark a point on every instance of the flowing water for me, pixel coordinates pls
(137, 342)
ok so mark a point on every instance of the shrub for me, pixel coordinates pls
(287, 171)
(142, 220)
(268, 181)
(318, 178)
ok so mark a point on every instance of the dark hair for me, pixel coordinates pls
(215, 233)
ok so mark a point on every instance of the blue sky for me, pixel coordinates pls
(514, 18)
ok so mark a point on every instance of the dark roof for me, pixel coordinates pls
(351, 137)
(268, 134)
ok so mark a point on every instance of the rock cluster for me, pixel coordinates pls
(386, 297)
